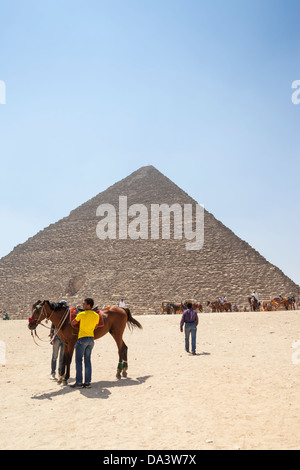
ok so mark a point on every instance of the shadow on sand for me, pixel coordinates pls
(198, 354)
(99, 389)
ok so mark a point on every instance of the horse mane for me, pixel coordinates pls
(55, 305)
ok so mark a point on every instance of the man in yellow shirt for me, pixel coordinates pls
(88, 319)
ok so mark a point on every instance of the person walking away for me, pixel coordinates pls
(88, 320)
(190, 320)
(57, 348)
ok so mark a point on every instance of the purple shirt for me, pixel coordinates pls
(189, 316)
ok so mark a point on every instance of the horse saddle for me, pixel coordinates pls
(74, 311)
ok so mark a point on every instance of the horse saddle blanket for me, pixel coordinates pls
(74, 311)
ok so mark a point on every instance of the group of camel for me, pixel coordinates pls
(218, 306)
(175, 307)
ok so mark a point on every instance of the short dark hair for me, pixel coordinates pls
(90, 302)
(189, 305)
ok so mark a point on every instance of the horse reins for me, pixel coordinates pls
(38, 322)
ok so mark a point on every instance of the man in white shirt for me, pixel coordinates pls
(255, 295)
(122, 304)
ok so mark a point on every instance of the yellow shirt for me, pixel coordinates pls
(88, 321)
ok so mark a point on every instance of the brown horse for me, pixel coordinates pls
(218, 306)
(198, 305)
(214, 306)
(195, 305)
(254, 305)
(166, 307)
(226, 306)
(176, 307)
(115, 320)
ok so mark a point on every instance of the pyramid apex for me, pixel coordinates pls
(147, 169)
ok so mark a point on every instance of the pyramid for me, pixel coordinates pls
(68, 260)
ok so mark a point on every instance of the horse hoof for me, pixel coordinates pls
(124, 373)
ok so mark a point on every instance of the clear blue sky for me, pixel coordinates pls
(199, 89)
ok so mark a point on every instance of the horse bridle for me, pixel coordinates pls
(44, 311)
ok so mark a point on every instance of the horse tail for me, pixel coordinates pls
(132, 322)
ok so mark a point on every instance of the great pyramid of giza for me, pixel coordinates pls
(67, 260)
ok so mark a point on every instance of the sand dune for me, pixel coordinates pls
(241, 390)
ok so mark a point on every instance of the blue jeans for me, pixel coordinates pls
(190, 329)
(83, 350)
(58, 347)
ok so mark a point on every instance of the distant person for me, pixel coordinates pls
(255, 295)
(57, 348)
(190, 320)
(122, 303)
(87, 320)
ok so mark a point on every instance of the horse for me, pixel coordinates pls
(254, 304)
(225, 306)
(166, 307)
(198, 305)
(195, 305)
(114, 321)
(214, 306)
(176, 307)
(219, 306)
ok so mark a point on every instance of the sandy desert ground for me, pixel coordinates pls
(241, 390)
